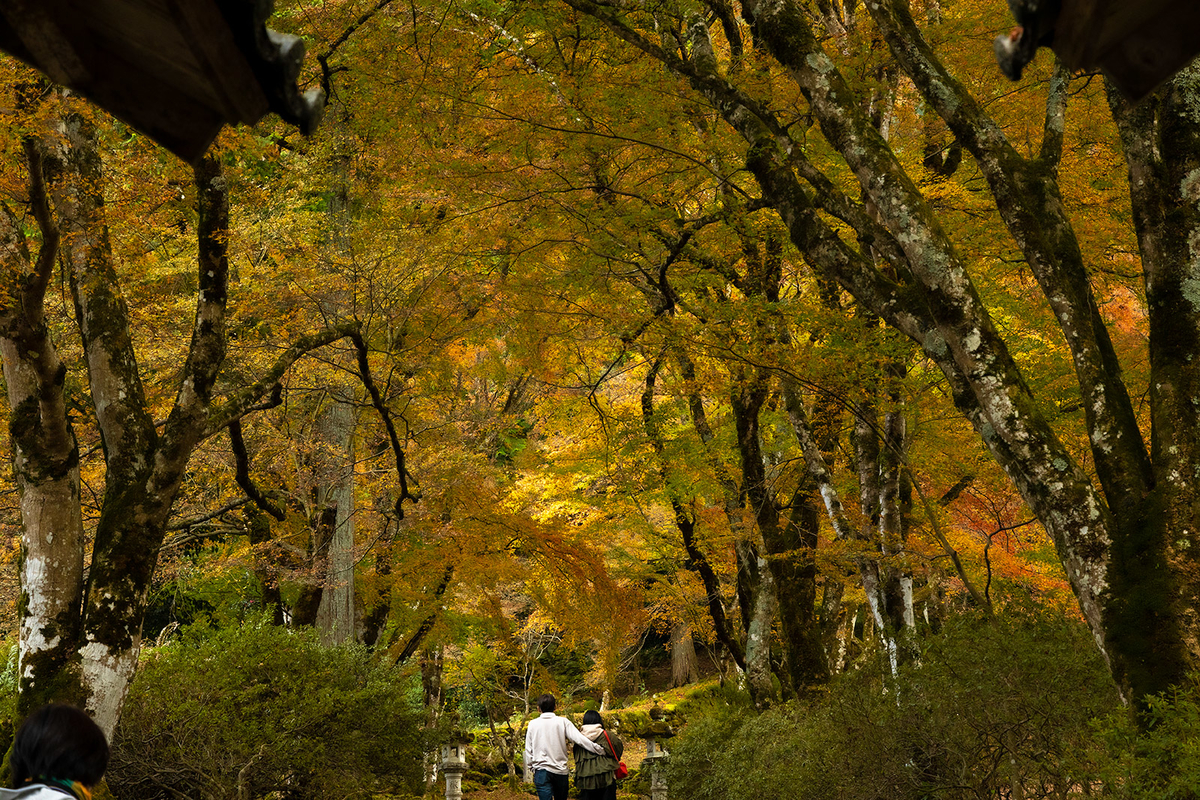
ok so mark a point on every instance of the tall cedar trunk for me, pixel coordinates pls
(336, 614)
(684, 667)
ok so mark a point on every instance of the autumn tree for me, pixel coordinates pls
(1123, 536)
(81, 627)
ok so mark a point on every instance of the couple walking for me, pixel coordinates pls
(597, 753)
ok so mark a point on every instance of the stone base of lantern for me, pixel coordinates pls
(454, 776)
(658, 779)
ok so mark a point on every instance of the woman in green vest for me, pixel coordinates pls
(594, 773)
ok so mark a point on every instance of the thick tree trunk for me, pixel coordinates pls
(259, 525)
(792, 552)
(868, 565)
(308, 601)
(832, 617)
(1154, 609)
(758, 641)
(144, 468)
(757, 591)
(432, 664)
(102, 621)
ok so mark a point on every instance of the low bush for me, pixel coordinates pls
(1156, 760)
(258, 710)
(991, 711)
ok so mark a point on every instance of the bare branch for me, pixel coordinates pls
(242, 459)
(32, 298)
(241, 402)
(364, 372)
(323, 59)
(426, 626)
(192, 522)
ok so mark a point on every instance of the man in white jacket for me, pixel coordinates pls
(546, 747)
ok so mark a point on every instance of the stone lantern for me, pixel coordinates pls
(656, 734)
(454, 764)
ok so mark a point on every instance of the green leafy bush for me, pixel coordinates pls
(258, 710)
(989, 709)
(1159, 760)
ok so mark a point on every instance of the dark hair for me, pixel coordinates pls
(546, 703)
(592, 717)
(59, 742)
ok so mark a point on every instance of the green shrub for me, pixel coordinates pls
(988, 708)
(270, 711)
(1158, 761)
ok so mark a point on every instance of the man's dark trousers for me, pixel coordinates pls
(550, 785)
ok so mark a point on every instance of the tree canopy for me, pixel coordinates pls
(774, 328)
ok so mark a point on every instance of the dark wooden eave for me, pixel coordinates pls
(177, 70)
(1138, 44)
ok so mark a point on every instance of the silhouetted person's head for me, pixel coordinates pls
(592, 717)
(58, 742)
(546, 703)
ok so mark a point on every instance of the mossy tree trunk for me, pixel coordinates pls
(79, 642)
(45, 455)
